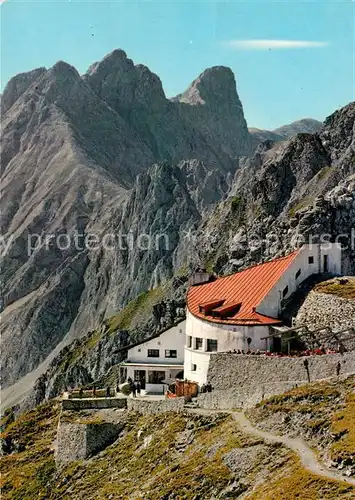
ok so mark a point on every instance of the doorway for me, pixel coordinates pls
(325, 264)
(139, 375)
(276, 344)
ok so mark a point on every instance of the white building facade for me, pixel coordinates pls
(158, 360)
(248, 327)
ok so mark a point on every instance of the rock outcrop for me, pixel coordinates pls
(330, 308)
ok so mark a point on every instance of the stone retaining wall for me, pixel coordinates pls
(98, 403)
(321, 309)
(79, 441)
(236, 371)
(153, 407)
(244, 397)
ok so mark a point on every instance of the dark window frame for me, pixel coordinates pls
(152, 353)
(193, 367)
(199, 341)
(285, 292)
(215, 343)
(311, 259)
(298, 274)
(170, 351)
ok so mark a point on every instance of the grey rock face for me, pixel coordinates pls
(285, 193)
(17, 86)
(73, 149)
(212, 103)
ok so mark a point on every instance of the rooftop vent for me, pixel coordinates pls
(208, 307)
(226, 310)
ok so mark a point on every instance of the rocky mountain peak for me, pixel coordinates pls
(213, 86)
(124, 85)
(337, 134)
(62, 69)
(117, 60)
(17, 86)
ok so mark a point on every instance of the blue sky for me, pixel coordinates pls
(278, 82)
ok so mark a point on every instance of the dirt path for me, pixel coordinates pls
(307, 456)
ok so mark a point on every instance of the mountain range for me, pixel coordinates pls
(106, 153)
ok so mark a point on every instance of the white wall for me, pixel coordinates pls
(271, 304)
(174, 338)
(228, 337)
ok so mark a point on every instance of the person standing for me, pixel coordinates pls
(133, 389)
(139, 387)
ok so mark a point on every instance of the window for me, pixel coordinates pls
(193, 367)
(211, 345)
(311, 259)
(170, 353)
(153, 353)
(188, 341)
(199, 343)
(156, 377)
(285, 292)
(298, 274)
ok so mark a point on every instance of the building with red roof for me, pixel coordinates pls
(236, 312)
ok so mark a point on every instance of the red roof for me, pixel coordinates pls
(248, 287)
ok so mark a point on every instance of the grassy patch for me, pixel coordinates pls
(343, 426)
(296, 483)
(26, 473)
(305, 202)
(236, 203)
(140, 305)
(325, 173)
(346, 290)
(303, 399)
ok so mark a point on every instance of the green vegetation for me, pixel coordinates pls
(27, 472)
(138, 306)
(325, 173)
(305, 202)
(340, 288)
(303, 399)
(343, 427)
(293, 482)
(209, 263)
(236, 203)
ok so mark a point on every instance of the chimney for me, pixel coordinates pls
(199, 278)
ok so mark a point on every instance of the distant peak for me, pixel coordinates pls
(116, 54)
(215, 84)
(17, 86)
(63, 68)
(113, 61)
